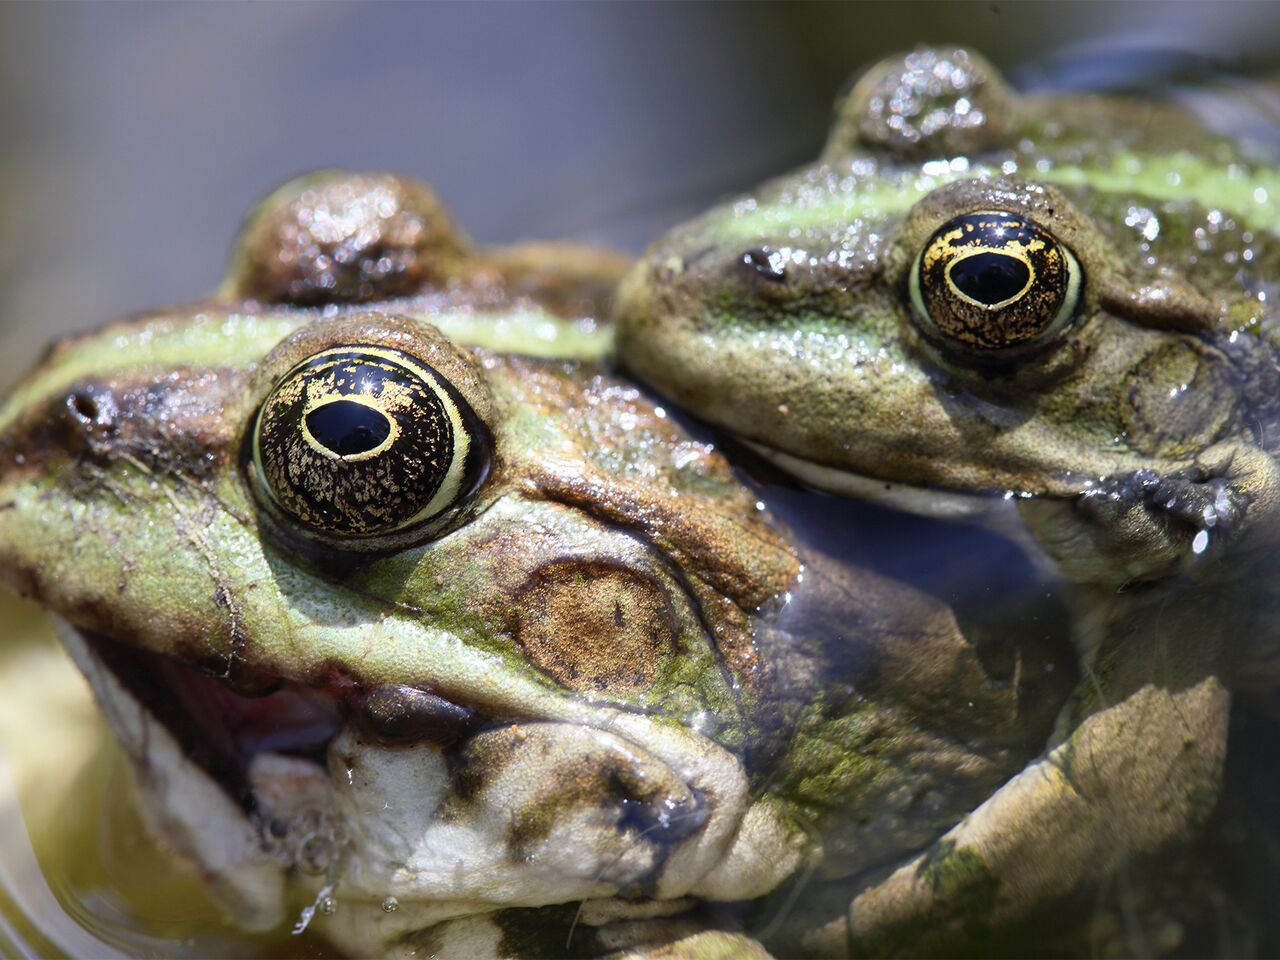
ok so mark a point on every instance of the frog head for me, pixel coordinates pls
(408, 620)
(411, 616)
(976, 297)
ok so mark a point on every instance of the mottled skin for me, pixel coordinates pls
(1164, 380)
(1132, 448)
(592, 696)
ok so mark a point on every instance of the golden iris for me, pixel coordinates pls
(362, 440)
(993, 279)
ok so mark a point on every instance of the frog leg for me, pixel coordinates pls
(707, 945)
(1143, 526)
(1136, 774)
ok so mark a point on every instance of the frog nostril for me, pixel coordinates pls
(763, 264)
(90, 418)
(664, 818)
(83, 406)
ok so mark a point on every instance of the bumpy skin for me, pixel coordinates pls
(1132, 447)
(785, 317)
(600, 691)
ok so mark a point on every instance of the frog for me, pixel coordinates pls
(1062, 302)
(418, 623)
(1050, 315)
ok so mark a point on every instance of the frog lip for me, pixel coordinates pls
(936, 502)
(295, 736)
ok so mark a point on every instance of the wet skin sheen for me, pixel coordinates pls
(416, 623)
(1052, 315)
(975, 297)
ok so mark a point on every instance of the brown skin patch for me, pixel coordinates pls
(343, 237)
(339, 237)
(174, 423)
(1181, 399)
(935, 101)
(641, 472)
(593, 626)
(652, 802)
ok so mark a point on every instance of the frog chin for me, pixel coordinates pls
(384, 839)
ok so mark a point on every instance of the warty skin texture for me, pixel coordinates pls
(1129, 450)
(604, 676)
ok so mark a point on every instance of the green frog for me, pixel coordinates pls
(419, 625)
(977, 303)
(1052, 315)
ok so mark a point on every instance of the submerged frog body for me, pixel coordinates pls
(412, 617)
(1053, 315)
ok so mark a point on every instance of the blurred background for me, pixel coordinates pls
(135, 136)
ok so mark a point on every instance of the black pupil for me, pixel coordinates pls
(990, 278)
(348, 428)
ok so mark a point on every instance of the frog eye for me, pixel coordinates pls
(360, 440)
(993, 280)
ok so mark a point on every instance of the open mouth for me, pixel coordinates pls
(391, 792)
(222, 731)
(219, 730)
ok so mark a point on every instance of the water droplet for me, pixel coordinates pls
(1201, 542)
(390, 904)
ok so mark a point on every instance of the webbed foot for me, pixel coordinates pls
(1144, 526)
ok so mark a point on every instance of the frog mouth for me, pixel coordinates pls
(217, 729)
(939, 503)
(291, 790)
